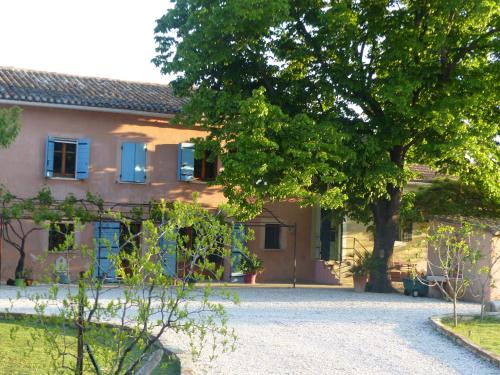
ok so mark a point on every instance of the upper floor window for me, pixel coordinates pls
(191, 168)
(205, 168)
(272, 236)
(67, 158)
(64, 159)
(133, 163)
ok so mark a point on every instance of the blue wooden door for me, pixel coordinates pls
(168, 253)
(107, 235)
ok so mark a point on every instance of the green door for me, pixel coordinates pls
(330, 236)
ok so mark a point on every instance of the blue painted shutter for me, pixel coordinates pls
(49, 157)
(238, 245)
(82, 158)
(140, 163)
(133, 168)
(168, 254)
(128, 162)
(185, 162)
(107, 235)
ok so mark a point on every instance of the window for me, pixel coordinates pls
(133, 165)
(64, 159)
(405, 232)
(67, 158)
(272, 236)
(129, 239)
(188, 236)
(61, 237)
(205, 168)
(190, 168)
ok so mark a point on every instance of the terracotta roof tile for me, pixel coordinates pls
(64, 89)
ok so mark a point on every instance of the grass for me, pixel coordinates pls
(485, 333)
(26, 350)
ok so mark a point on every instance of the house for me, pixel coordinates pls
(116, 139)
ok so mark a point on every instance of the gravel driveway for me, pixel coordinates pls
(332, 331)
(335, 331)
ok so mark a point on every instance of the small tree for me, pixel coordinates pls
(20, 218)
(152, 297)
(456, 262)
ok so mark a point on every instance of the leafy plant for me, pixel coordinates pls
(363, 264)
(153, 297)
(456, 261)
(251, 264)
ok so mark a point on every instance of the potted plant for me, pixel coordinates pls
(28, 276)
(19, 281)
(363, 264)
(61, 273)
(251, 265)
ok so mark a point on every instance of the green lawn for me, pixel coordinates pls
(484, 333)
(24, 350)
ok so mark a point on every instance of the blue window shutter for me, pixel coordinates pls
(128, 162)
(140, 163)
(49, 157)
(168, 254)
(185, 162)
(107, 235)
(238, 245)
(82, 158)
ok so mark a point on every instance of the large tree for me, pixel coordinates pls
(328, 102)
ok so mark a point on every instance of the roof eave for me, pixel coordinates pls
(86, 108)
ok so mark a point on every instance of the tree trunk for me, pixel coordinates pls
(20, 263)
(386, 220)
(455, 317)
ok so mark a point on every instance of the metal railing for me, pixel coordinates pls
(340, 267)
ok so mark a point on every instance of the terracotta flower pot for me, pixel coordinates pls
(360, 283)
(250, 278)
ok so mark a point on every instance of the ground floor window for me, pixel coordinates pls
(272, 236)
(61, 237)
(129, 237)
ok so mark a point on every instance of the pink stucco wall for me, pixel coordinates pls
(22, 172)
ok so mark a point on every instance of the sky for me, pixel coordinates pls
(101, 38)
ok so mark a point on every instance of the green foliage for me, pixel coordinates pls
(364, 263)
(9, 125)
(150, 300)
(450, 198)
(456, 260)
(483, 332)
(251, 264)
(27, 345)
(329, 103)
